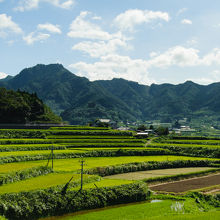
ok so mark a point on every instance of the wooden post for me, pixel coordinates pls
(52, 156)
(82, 163)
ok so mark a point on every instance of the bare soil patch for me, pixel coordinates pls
(155, 173)
(189, 184)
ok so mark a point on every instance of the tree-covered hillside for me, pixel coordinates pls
(79, 101)
(22, 107)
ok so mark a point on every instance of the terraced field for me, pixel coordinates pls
(22, 151)
(140, 175)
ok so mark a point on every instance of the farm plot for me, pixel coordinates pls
(183, 145)
(190, 184)
(40, 182)
(103, 183)
(157, 209)
(187, 141)
(91, 162)
(44, 144)
(71, 151)
(156, 173)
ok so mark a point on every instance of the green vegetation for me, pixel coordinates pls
(22, 107)
(27, 181)
(43, 182)
(11, 177)
(117, 99)
(31, 205)
(161, 209)
(149, 165)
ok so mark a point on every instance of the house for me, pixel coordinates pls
(104, 120)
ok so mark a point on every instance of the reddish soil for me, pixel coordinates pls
(189, 184)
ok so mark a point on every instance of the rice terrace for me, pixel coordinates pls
(67, 169)
(109, 110)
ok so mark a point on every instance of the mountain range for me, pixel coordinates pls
(80, 101)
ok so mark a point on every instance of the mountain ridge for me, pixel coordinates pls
(80, 101)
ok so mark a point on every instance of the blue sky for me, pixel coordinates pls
(148, 41)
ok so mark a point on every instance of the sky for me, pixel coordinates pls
(147, 41)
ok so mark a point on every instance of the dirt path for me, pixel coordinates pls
(149, 141)
(189, 184)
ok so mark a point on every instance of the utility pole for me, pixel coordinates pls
(52, 156)
(82, 164)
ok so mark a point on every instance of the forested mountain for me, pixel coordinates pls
(80, 101)
(22, 107)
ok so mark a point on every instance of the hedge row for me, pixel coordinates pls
(78, 128)
(204, 200)
(195, 138)
(24, 174)
(94, 153)
(180, 176)
(90, 132)
(74, 141)
(51, 202)
(100, 137)
(22, 133)
(42, 133)
(151, 165)
(194, 142)
(191, 151)
(7, 148)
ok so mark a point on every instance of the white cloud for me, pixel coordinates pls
(25, 5)
(34, 37)
(50, 27)
(7, 25)
(3, 75)
(178, 55)
(192, 42)
(80, 28)
(186, 21)
(101, 48)
(1, 1)
(130, 18)
(181, 11)
(153, 54)
(181, 56)
(212, 58)
(115, 66)
(97, 18)
(210, 78)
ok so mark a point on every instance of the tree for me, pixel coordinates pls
(176, 124)
(142, 127)
(162, 131)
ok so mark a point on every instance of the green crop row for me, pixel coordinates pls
(75, 127)
(150, 165)
(88, 137)
(22, 133)
(56, 201)
(63, 146)
(31, 147)
(90, 132)
(24, 174)
(47, 181)
(64, 154)
(51, 141)
(200, 142)
(189, 150)
(195, 138)
(186, 145)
